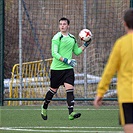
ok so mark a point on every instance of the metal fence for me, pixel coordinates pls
(29, 26)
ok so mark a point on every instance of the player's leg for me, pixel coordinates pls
(126, 116)
(70, 102)
(70, 97)
(48, 98)
(69, 85)
(128, 128)
(54, 84)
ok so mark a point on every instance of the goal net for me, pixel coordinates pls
(40, 23)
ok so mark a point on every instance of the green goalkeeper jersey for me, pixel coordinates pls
(63, 46)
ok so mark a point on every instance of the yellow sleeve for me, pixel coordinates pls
(109, 70)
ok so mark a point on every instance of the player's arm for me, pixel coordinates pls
(78, 50)
(55, 49)
(110, 69)
(71, 62)
(98, 101)
(86, 44)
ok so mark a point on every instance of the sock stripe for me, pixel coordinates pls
(52, 91)
(70, 90)
(69, 107)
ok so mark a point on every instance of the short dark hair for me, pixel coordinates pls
(66, 19)
(128, 18)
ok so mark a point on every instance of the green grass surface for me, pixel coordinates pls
(27, 119)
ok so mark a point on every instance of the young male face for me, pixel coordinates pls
(63, 26)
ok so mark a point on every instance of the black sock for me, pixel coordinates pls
(70, 100)
(48, 98)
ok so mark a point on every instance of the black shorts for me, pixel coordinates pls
(126, 113)
(59, 77)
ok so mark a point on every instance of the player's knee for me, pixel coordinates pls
(49, 96)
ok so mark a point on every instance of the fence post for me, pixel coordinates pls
(85, 52)
(1, 52)
(131, 3)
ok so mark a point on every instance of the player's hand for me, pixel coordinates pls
(97, 102)
(71, 62)
(86, 44)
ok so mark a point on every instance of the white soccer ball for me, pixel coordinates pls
(85, 35)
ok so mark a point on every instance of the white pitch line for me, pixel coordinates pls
(61, 109)
(82, 131)
(65, 127)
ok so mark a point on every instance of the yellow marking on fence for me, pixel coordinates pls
(35, 80)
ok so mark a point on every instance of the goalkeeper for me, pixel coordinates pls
(63, 46)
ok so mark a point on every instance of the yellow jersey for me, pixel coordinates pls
(121, 62)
